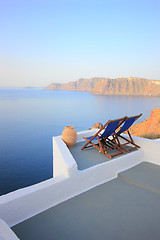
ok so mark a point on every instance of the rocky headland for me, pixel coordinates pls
(150, 127)
(106, 86)
(97, 125)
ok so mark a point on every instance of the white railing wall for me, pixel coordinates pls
(22, 204)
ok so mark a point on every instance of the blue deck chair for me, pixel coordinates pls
(103, 142)
(125, 127)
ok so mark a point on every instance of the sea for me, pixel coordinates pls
(29, 118)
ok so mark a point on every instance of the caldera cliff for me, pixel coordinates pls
(106, 86)
(150, 127)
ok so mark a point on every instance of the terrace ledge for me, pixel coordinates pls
(68, 181)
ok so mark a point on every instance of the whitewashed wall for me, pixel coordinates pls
(25, 203)
(63, 161)
(151, 149)
(6, 233)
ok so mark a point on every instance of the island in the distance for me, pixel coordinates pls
(106, 86)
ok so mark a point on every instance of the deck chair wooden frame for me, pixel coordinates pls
(104, 143)
(126, 128)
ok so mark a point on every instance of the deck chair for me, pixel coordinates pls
(125, 127)
(103, 142)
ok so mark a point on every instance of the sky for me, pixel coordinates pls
(44, 41)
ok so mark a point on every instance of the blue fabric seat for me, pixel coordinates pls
(125, 127)
(104, 143)
(127, 124)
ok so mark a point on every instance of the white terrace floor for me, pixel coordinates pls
(90, 157)
(125, 208)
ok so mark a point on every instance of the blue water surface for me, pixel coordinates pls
(30, 117)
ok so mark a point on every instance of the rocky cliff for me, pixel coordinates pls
(149, 127)
(107, 86)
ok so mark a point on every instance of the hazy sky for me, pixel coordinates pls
(62, 40)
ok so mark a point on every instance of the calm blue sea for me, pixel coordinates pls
(30, 117)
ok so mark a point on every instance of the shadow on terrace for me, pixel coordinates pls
(90, 157)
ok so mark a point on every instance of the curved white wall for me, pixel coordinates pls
(25, 203)
(6, 233)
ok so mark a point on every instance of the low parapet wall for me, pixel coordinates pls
(69, 181)
(151, 149)
(6, 233)
(63, 161)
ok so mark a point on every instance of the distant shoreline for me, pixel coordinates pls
(104, 86)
